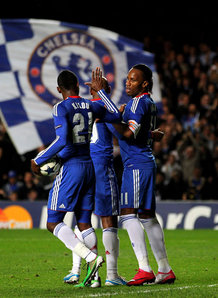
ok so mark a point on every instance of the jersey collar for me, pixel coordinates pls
(76, 96)
(142, 94)
(95, 99)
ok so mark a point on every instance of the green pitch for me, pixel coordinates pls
(34, 262)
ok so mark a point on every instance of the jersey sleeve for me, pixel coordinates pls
(60, 124)
(110, 106)
(135, 116)
(114, 131)
(106, 112)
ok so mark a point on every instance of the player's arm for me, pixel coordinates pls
(114, 131)
(123, 130)
(156, 135)
(60, 123)
(102, 113)
(97, 85)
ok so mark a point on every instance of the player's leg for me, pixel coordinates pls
(83, 211)
(132, 183)
(110, 240)
(67, 194)
(154, 231)
(59, 229)
(88, 235)
(156, 239)
(107, 207)
(74, 275)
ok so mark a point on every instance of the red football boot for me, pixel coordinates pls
(165, 278)
(141, 277)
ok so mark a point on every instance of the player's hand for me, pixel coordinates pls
(35, 168)
(96, 83)
(157, 135)
(122, 108)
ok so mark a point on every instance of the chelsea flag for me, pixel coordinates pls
(33, 52)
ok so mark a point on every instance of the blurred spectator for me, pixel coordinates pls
(182, 65)
(29, 190)
(213, 71)
(189, 154)
(209, 191)
(182, 106)
(196, 184)
(192, 56)
(12, 188)
(190, 120)
(206, 55)
(170, 166)
(208, 136)
(176, 188)
(160, 188)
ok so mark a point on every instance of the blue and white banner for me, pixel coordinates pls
(33, 52)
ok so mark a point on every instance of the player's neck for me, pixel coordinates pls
(141, 93)
(69, 93)
(95, 96)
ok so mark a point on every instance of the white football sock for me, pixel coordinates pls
(90, 240)
(77, 259)
(156, 239)
(68, 237)
(137, 237)
(111, 245)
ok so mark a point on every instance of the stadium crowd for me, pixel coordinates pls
(187, 156)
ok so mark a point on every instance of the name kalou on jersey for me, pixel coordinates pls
(73, 120)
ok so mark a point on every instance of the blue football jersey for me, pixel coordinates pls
(101, 146)
(73, 121)
(140, 114)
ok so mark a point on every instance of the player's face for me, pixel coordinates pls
(135, 84)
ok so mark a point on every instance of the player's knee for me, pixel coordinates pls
(83, 226)
(109, 221)
(51, 226)
(145, 214)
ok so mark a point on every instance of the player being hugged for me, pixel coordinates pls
(138, 180)
(74, 186)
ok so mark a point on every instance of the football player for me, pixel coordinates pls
(73, 188)
(138, 181)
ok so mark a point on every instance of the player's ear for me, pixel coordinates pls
(59, 89)
(144, 84)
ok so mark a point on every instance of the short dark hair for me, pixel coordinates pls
(147, 74)
(67, 80)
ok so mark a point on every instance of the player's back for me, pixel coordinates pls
(101, 146)
(79, 116)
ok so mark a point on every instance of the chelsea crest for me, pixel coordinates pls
(74, 50)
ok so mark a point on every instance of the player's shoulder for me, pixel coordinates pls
(59, 108)
(96, 104)
(139, 102)
(96, 101)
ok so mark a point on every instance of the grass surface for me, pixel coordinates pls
(34, 262)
